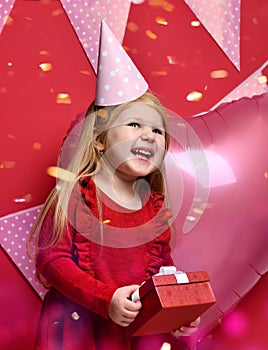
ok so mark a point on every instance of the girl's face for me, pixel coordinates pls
(135, 144)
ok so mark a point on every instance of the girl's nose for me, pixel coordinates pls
(147, 135)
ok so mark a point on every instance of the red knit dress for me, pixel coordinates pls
(86, 267)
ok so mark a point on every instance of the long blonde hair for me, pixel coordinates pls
(85, 163)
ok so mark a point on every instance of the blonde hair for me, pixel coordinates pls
(85, 163)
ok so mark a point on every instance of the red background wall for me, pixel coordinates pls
(33, 122)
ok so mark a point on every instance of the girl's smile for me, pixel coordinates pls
(135, 142)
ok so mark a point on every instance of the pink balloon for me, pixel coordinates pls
(222, 225)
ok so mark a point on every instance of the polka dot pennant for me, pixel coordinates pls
(254, 85)
(221, 18)
(86, 16)
(14, 230)
(118, 79)
(5, 8)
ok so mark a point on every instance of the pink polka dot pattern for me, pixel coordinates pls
(222, 20)
(14, 229)
(118, 79)
(248, 88)
(5, 8)
(86, 16)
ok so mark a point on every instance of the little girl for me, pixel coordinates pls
(104, 230)
(101, 236)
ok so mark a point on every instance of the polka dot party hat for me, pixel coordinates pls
(118, 79)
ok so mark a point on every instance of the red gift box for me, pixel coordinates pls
(168, 304)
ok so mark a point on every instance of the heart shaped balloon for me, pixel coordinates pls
(221, 225)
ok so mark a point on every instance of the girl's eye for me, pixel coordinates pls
(134, 125)
(158, 131)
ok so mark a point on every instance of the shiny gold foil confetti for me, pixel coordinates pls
(167, 6)
(61, 174)
(45, 67)
(195, 23)
(25, 199)
(151, 35)
(219, 74)
(107, 221)
(161, 20)
(198, 211)
(7, 20)
(165, 346)
(75, 316)
(262, 79)
(102, 113)
(43, 53)
(160, 73)
(194, 96)
(64, 98)
(85, 72)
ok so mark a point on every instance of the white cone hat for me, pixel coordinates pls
(118, 79)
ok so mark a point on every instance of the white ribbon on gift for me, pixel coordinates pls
(181, 278)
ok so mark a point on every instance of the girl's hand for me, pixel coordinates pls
(187, 329)
(122, 310)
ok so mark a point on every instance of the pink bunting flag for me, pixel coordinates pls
(221, 19)
(255, 84)
(5, 9)
(86, 17)
(14, 229)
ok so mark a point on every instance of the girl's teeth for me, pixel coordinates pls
(142, 153)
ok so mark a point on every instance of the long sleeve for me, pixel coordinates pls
(57, 265)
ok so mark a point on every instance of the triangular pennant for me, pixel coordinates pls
(5, 9)
(255, 84)
(86, 18)
(14, 229)
(221, 18)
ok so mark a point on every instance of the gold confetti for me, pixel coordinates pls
(165, 346)
(107, 221)
(262, 79)
(45, 67)
(64, 98)
(195, 23)
(102, 113)
(43, 53)
(219, 74)
(159, 73)
(7, 20)
(85, 72)
(75, 316)
(57, 12)
(161, 20)
(198, 211)
(151, 35)
(61, 174)
(194, 96)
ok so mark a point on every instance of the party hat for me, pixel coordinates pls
(118, 79)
